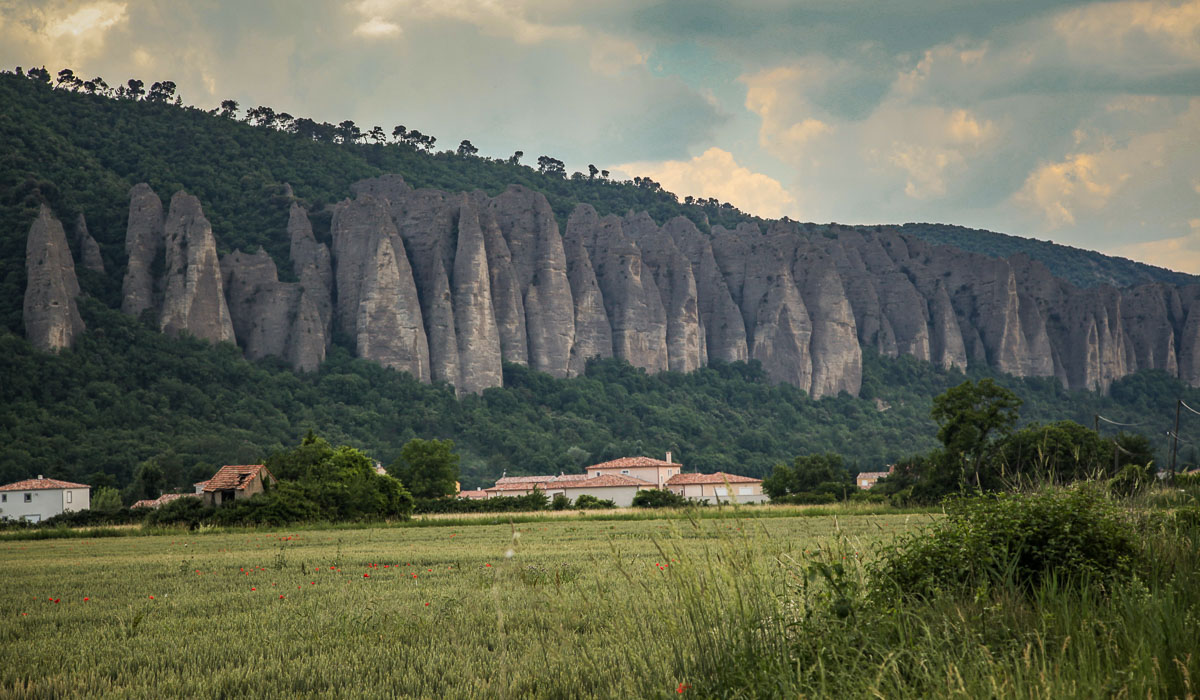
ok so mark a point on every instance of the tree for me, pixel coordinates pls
(466, 148)
(515, 158)
(229, 109)
(348, 132)
(376, 134)
(161, 92)
(40, 75)
(147, 481)
(66, 77)
(429, 468)
(592, 171)
(106, 499)
(398, 133)
(971, 416)
(810, 475)
(134, 89)
(551, 166)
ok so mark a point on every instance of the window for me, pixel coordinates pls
(722, 492)
(3, 498)
(745, 491)
(624, 471)
(69, 496)
(29, 498)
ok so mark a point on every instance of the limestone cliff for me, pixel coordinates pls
(193, 291)
(52, 320)
(89, 249)
(448, 286)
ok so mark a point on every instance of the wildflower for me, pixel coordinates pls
(253, 588)
(366, 575)
(427, 605)
(86, 599)
(151, 597)
(281, 597)
(682, 687)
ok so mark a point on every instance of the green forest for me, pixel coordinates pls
(126, 394)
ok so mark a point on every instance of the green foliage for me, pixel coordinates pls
(589, 502)
(810, 479)
(106, 499)
(1072, 535)
(971, 415)
(429, 468)
(531, 502)
(658, 498)
(560, 502)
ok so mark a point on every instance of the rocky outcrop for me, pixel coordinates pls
(312, 265)
(377, 304)
(52, 320)
(449, 286)
(143, 245)
(193, 298)
(89, 249)
(272, 317)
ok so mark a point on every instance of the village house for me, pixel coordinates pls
(717, 488)
(866, 480)
(236, 482)
(655, 471)
(619, 481)
(41, 498)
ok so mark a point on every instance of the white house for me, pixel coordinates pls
(607, 487)
(718, 488)
(38, 499)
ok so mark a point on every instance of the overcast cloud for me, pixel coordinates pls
(1077, 122)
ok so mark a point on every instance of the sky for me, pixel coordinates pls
(1076, 122)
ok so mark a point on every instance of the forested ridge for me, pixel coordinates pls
(126, 394)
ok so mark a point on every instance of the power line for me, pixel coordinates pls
(1181, 403)
(1124, 425)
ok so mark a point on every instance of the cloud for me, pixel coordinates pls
(377, 27)
(1060, 189)
(60, 35)
(1181, 253)
(715, 173)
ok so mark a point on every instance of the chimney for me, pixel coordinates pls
(40, 477)
(668, 455)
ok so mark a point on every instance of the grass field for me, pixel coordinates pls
(564, 606)
(553, 608)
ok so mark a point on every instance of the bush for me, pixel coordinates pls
(1074, 535)
(560, 502)
(589, 502)
(658, 498)
(188, 512)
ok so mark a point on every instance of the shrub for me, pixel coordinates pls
(188, 512)
(560, 502)
(658, 498)
(589, 502)
(1073, 535)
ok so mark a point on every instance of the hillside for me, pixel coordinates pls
(520, 294)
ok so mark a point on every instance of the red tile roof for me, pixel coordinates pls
(518, 486)
(603, 481)
(718, 478)
(36, 484)
(626, 462)
(162, 500)
(523, 479)
(871, 475)
(473, 495)
(235, 476)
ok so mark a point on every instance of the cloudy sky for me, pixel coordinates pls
(1077, 122)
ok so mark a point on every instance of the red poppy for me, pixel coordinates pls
(427, 605)
(366, 575)
(151, 597)
(86, 599)
(253, 588)
(682, 687)
(281, 597)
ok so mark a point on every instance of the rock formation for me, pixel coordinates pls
(193, 298)
(448, 286)
(52, 320)
(89, 249)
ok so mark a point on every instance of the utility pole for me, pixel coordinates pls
(1096, 423)
(1175, 444)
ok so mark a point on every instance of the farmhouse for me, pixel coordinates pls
(716, 488)
(866, 480)
(235, 482)
(37, 499)
(619, 480)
